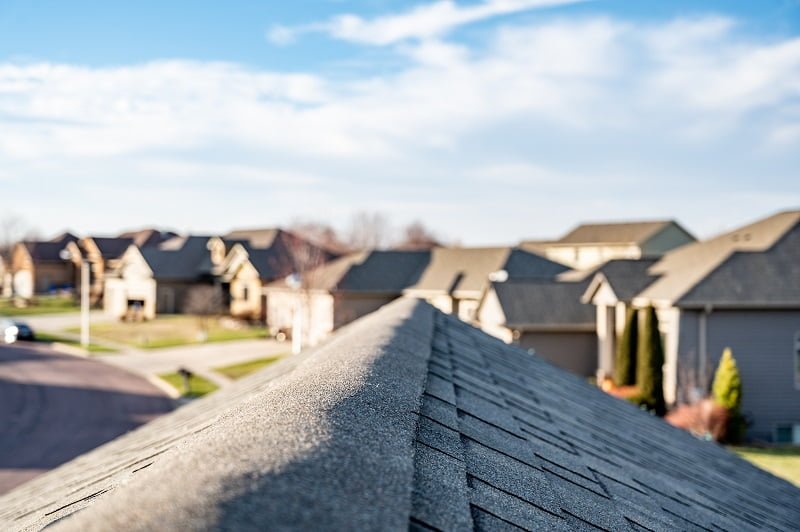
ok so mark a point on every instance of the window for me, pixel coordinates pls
(787, 433)
(244, 293)
(797, 360)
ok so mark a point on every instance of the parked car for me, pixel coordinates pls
(11, 331)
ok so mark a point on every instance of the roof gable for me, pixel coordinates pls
(614, 233)
(684, 268)
(407, 419)
(532, 304)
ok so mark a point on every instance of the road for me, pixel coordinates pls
(54, 407)
(200, 359)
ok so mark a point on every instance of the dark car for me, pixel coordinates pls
(11, 331)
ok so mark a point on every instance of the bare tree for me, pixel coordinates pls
(417, 237)
(12, 230)
(369, 230)
(319, 233)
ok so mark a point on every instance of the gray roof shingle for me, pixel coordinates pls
(180, 259)
(614, 233)
(531, 304)
(406, 419)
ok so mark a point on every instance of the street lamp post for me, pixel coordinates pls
(294, 282)
(66, 254)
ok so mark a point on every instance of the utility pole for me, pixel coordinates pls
(85, 280)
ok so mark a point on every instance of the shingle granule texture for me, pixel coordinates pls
(406, 419)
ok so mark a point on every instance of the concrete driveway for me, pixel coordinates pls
(54, 407)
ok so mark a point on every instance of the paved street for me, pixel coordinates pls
(66, 320)
(54, 407)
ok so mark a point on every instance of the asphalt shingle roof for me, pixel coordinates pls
(531, 304)
(465, 271)
(686, 268)
(614, 233)
(180, 259)
(406, 419)
(112, 247)
(387, 271)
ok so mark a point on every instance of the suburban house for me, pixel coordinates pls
(6, 279)
(186, 271)
(258, 257)
(102, 254)
(408, 419)
(591, 244)
(130, 288)
(40, 267)
(543, 316)
(739, 290)
(456, 278)
(342, 291)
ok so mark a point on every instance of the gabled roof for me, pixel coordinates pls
(534, 304)
(112, 247)
(615, 232)
(755, 264)
(385, 271)
(148, 237)
(257, 238)
(41, 251)
(180, 259)
(626, 277)
(406, 419)
(465, 271)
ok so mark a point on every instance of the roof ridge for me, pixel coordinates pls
(314, 419)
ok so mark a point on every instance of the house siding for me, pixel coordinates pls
(762, 342)
(573, 351)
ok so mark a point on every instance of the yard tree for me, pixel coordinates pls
(625, 363)
(416, 236)
(369, 230)
(727, 392)
(650, 363)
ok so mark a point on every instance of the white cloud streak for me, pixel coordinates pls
(425, 21)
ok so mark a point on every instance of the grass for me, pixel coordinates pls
(198, 386)
(237, 371)
(92, 348)
(171, 331)
(783, 462)
(40, 305)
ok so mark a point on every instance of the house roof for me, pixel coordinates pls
(41, 251)
(466, 271)
(385, 271)
(406, 419)
(184, 258)
(541, 303)
(627, 277)
(112, 247)
(755, 264)
(148, 237)
(614, 233)
(258, 238)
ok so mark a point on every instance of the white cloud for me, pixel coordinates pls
(563, 103)
(425, 21)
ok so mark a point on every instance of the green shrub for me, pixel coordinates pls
(650, 364)
(625, 363)
(727, 392)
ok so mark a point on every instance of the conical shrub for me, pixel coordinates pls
(625, 360)
(727, 392)
(650, 363)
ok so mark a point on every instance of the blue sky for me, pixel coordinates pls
(490, 120)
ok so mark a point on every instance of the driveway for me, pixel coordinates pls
(200, 359)
(54, 407)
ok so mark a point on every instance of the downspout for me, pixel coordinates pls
(702, 340)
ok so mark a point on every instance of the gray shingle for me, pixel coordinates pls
(379, 429)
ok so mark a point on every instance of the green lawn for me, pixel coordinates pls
(40, 305)
(92, 348)
(171, 331)
(237, 371)
(198, 386)
(783, 462)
